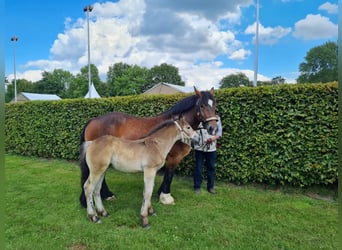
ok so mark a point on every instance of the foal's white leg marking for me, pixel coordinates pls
(166, 199)
(90, 187)
(149, 176)
(88, 191)
(97, 198)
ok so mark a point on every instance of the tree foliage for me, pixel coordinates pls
(55, 82)
(125, 79)
(320, 64)
(132, 82)
(122, 79)
(164, 73)
(235, 80)
(22, 86)
(115, 71)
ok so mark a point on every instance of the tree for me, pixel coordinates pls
(135, 83)
(132, 82)
(79, 86)
(235, 80)
(55, 82)
(164, 73)
(278, 80)
(320, 64)
(22, 86)
(114, 72)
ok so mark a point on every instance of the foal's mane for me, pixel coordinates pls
(160, 126)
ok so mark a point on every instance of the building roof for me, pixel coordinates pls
(36, 96)
(94, 93)
(168, 88)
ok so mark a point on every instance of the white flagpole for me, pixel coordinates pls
(256, 46)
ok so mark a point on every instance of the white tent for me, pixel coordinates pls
(94, 93)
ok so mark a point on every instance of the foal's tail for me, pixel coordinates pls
(83, 165)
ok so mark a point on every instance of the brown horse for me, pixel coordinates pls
(195, 109)
(145, 155)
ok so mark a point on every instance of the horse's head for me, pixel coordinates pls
(187, 134)
(206, 107)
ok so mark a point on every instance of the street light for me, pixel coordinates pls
(88, 9)
(14, 39)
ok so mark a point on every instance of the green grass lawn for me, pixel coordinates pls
(42, 212)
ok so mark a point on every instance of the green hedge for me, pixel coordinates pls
(274, 134)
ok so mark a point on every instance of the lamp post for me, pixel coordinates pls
(14, 39)
(88, 9)
(255, 81)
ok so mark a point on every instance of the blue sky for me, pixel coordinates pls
(206, 40)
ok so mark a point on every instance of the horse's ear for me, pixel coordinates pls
(212, 92)
(198, 93)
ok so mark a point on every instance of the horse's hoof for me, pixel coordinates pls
(94, 218)
(105, 214)
(166, 199)
(111, 198)
(151, 212)
(145, 223)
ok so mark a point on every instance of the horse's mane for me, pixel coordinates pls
(187, 103)
(182, 106)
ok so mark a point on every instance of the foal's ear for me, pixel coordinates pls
(212, 92)
(179, 117)
(176, 117)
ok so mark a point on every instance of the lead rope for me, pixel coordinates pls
(205, 146)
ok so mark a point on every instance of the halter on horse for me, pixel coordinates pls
(195, 109)
(146, 155)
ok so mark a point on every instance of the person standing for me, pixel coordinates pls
(205, 151)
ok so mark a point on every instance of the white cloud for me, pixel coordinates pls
(153, 32)
(268, 35)
(205, 8)
(30, 75)
(208, 75)
(315, 27)
(329, 7)
(240, 54)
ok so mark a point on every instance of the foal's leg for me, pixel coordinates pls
(97, 198)
(89, 187)
(146, 208)
(106, 194)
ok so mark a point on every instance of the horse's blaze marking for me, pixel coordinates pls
(210, 103)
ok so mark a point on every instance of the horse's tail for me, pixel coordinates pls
(83, 165)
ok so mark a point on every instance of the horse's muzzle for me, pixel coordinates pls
(210, 125)
(211, 129)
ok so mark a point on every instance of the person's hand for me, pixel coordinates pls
(209, 141)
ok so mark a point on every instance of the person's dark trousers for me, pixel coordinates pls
(210, 160)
